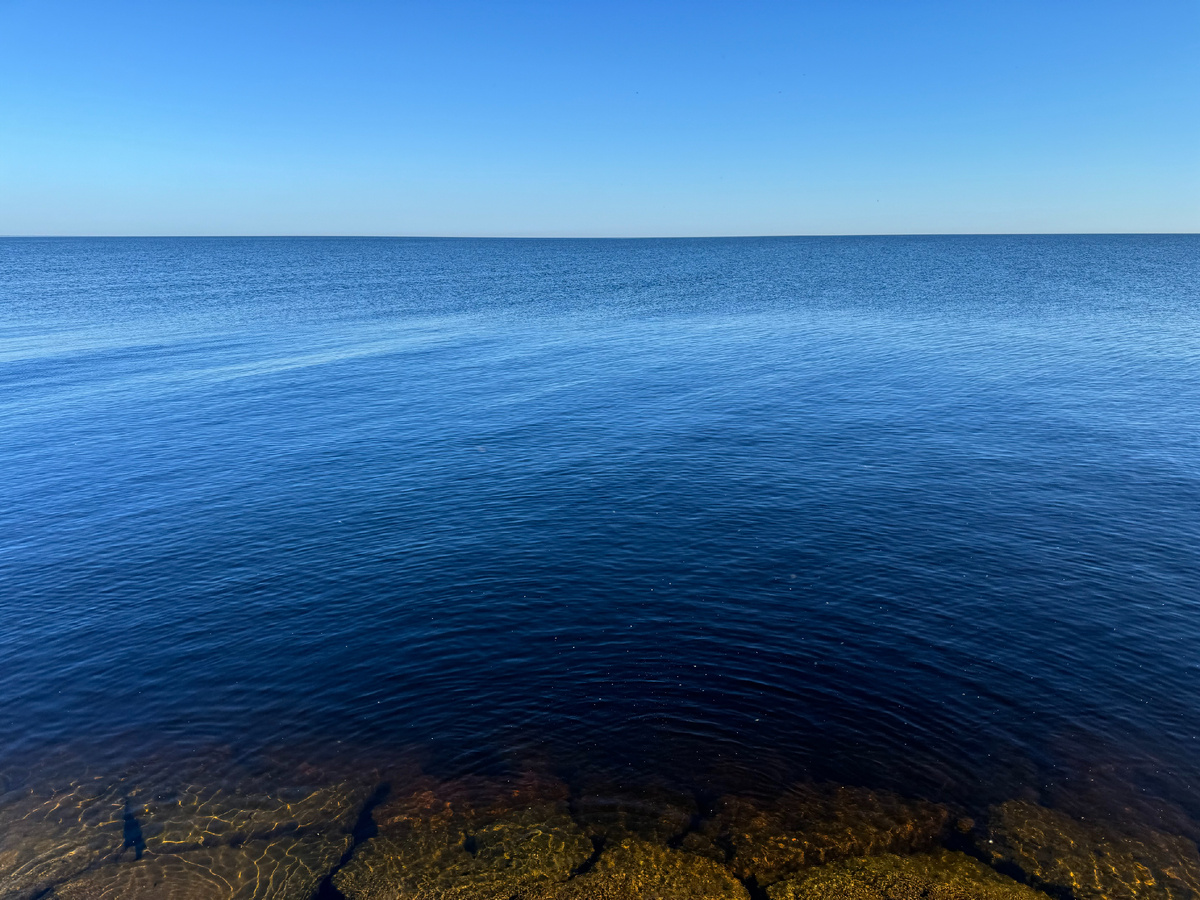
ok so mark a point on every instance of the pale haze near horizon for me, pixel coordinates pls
(607, 119)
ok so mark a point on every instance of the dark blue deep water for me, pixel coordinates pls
(919, 513)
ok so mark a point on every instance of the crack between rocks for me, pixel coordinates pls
(364, 829)
(753, 888)
(598, 842)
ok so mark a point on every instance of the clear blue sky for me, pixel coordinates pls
(612, 118)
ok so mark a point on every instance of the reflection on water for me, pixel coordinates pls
(769, 568)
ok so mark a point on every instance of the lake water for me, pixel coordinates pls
(914, 514)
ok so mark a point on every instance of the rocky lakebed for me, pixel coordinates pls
(212, 826)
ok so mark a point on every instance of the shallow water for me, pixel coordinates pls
(912, 514)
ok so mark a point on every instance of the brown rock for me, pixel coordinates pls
(288, 868)
(468, 839)
(49, 834)
(179, 827)
(1092, 860)
(654, 814)
(942, 875)
(637, 870)
(812, 825)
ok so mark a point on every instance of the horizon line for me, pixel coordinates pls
(598, 237)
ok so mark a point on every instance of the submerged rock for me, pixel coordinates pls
(288, 868)
(943, 875)
(637, 870)
(1092, 860)
(203, 826)
(175, 818)
(654, 814)
(470, 840)
(811, 825)
(51, 833)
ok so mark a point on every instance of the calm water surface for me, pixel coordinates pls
(914, 513)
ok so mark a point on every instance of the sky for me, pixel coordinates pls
(598, 119)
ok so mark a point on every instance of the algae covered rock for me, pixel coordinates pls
(289, 868)
(1092, 860)
(654, 814)
(49, 833)
(467, 839)
(638, 870)
(942, 875)
(203, 826)
(176, 817)
(814, 824)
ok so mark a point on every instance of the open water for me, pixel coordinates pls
(920, 514)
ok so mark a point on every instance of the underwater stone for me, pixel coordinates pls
(638, 870)
(811, 825)
(943, 875)
(49, 834)
(653, 814)
(290, 868)
(192, 816)
(1092, 860)
(469, 840)
(212, 799)
(117, 835)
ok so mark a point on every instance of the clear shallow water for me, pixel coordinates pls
(912, 513)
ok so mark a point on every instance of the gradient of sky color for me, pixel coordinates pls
(613, 118)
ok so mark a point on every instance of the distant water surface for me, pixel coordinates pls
(918, 513)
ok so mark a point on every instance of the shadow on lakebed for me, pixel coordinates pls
(213, 826)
